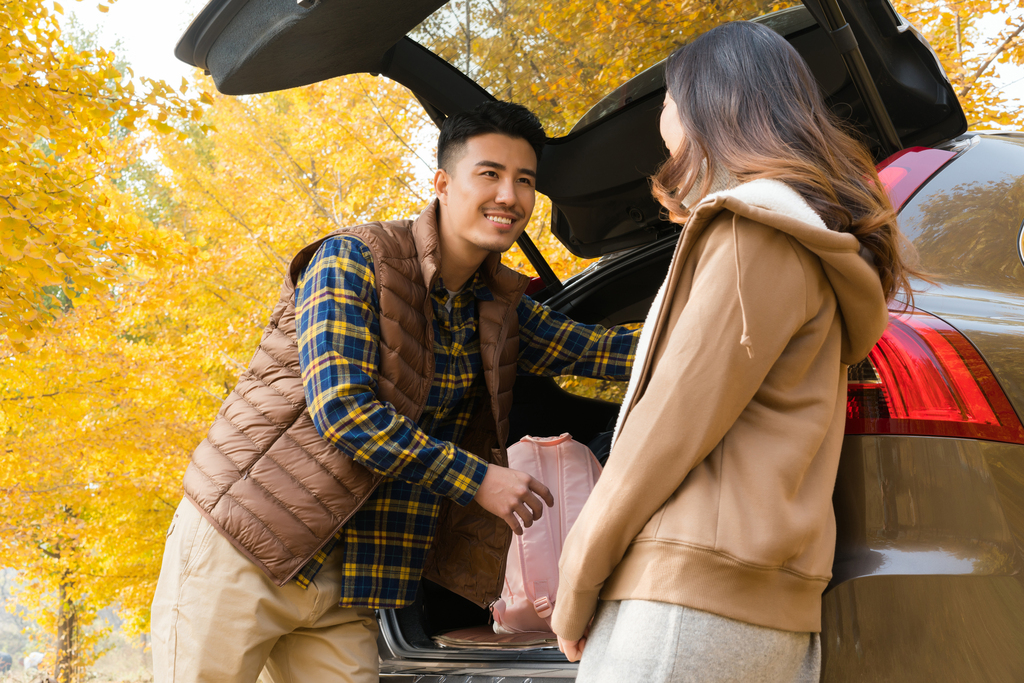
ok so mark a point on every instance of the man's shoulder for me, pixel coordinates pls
(380, 238)
(343, 246)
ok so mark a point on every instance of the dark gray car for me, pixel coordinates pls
(929, 501)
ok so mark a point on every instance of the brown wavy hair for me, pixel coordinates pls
(749, 104)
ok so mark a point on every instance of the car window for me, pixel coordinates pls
(560, 58)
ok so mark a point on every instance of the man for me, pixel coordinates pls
(363, 448)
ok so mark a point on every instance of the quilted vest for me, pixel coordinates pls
(267, 480)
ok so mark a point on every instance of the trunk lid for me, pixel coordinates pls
(874, 69)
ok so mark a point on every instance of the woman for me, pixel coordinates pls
(710, 536)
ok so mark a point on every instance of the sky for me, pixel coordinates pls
(149, 29)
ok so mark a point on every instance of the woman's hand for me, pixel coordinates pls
(572, 649)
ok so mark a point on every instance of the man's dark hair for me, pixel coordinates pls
(506, 118)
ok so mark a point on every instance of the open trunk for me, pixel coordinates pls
(618, 290)
(875, 71)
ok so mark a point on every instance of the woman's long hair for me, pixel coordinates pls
(749, 104)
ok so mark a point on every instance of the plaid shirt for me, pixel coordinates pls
(385, 542)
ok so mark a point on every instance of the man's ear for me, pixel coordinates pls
(441, 180)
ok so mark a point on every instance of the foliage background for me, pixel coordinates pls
(144, 231)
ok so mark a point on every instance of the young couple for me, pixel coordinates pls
(363, 448)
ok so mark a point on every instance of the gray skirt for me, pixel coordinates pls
(655, 642)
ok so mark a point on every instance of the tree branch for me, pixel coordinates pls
(380, 114)
(74, 390)
(981, 69)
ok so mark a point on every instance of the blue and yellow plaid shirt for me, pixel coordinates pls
(386, 542)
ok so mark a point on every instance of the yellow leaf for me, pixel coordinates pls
(10, 251)
(162, 127)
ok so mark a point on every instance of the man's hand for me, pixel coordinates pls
(505, 491)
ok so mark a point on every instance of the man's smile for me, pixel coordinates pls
(502, 219)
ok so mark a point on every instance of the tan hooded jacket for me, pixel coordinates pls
(718, 491)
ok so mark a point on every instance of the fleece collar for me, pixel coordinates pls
(772, 195)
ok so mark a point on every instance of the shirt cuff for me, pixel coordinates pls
(462, 478)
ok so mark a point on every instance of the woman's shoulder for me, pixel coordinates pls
(743, 236)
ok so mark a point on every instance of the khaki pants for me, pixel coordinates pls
(218, 618)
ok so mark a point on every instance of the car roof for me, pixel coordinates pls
(597, 173)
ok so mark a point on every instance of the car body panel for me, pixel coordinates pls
(964, 224)
(895, 515)
(928, 584)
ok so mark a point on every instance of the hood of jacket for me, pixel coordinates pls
(849, 268)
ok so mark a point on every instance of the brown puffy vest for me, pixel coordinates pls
(269, 482)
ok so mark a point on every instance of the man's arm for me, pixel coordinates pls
(338, 329)
(552, 344)
(339, 336)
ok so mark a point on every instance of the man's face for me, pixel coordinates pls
(488, 198)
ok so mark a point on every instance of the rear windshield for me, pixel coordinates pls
(560, 57)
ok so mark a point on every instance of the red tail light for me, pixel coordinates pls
(907, 170)
(536, 284)
(924, 378)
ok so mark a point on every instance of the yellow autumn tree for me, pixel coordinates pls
(102, 407)
(59, 107)
(89, 415)
(71, 240)
(560, 58)
(972, 38)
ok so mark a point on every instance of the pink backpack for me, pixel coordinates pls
(570, 470)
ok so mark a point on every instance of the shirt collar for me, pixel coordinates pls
(475, 285)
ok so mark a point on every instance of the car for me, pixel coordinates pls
(929, 500)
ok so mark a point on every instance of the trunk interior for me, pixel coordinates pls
(617, 291)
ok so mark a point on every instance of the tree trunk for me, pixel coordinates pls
(67, 638)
